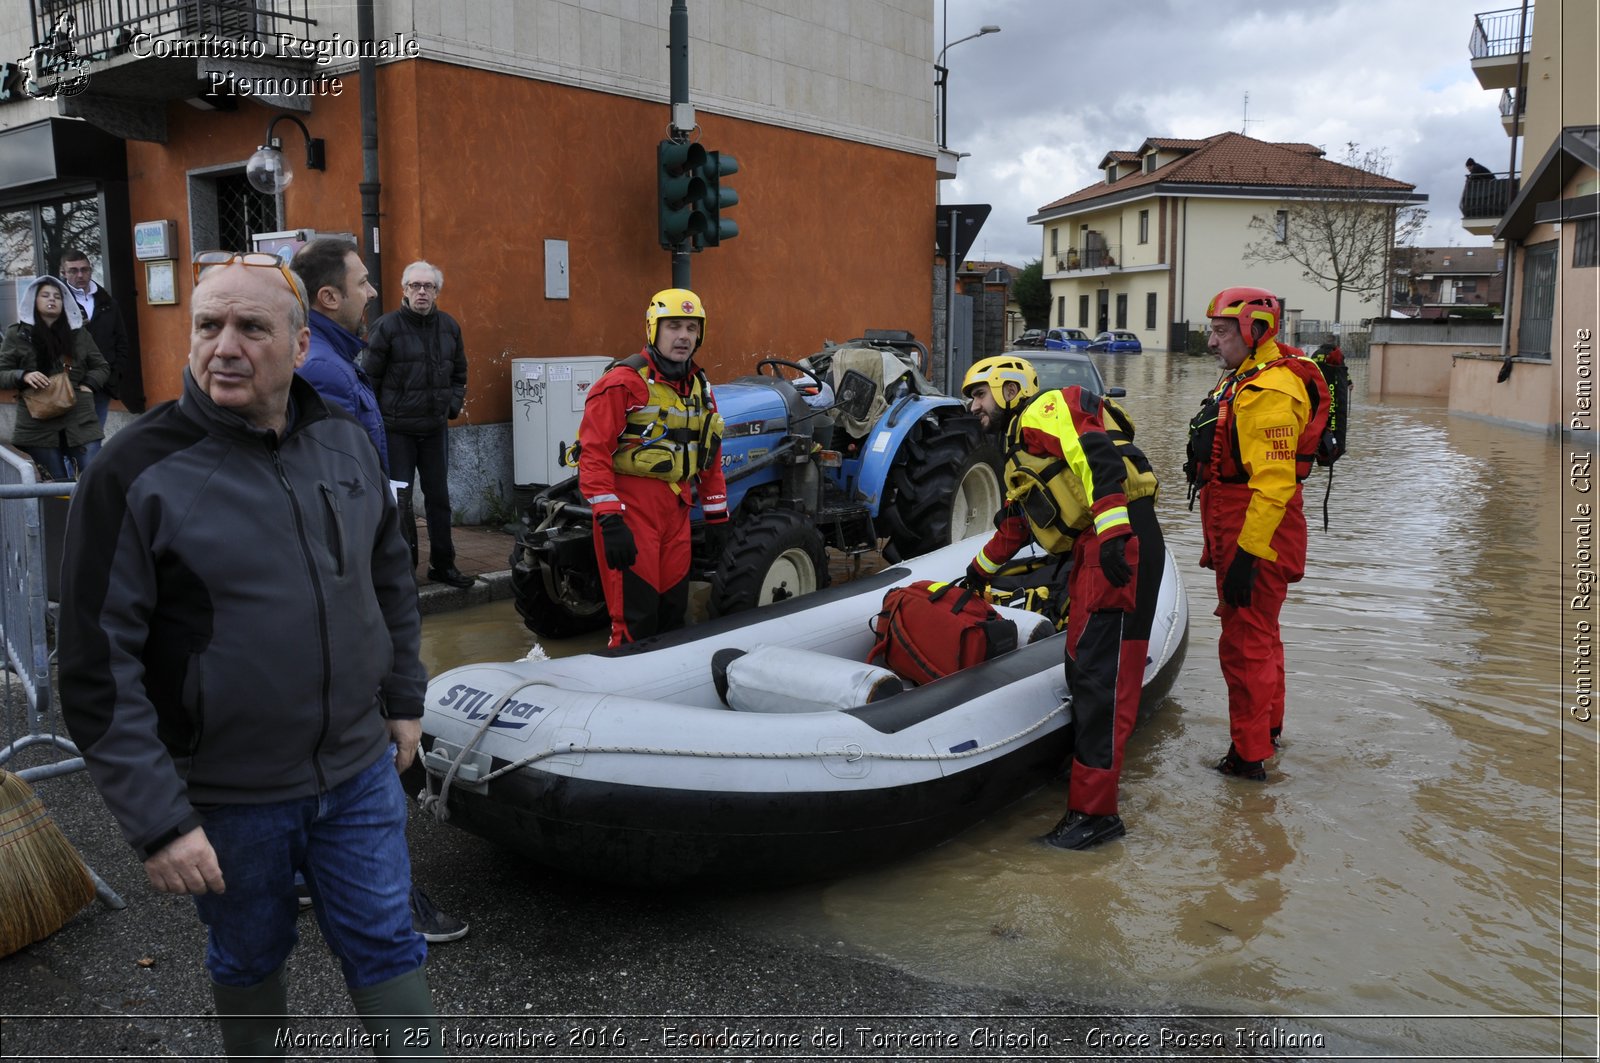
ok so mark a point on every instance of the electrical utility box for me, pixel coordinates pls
(547, 396)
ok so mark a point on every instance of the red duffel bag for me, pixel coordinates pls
(928, 630)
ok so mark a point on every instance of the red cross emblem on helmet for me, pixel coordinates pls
(687, 306)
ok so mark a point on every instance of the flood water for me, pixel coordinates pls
(1418, 877)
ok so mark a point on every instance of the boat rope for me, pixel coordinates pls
(851, 753)
(437, 803)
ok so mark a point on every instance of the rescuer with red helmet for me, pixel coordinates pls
(1251, 445)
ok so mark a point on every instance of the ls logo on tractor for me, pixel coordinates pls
(473, 704)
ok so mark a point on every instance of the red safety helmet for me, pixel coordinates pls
(1257, 305)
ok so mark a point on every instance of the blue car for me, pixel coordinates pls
(1066, 339)
(1117, 341)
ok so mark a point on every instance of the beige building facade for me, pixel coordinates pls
(1174, 222)
(1540, 373)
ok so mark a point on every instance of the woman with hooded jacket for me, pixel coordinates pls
(51, 338)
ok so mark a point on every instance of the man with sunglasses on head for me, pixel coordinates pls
(418, 367)
(240, 665)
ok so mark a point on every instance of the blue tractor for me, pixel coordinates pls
(850, 450)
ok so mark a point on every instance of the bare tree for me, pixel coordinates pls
(1341, 240)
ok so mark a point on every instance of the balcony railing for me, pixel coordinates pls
(1074, 259)
(1512, 104)
(1494, 33)
(100, 29)
(1487, 195)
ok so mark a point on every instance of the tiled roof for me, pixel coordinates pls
(973, 265)
(1451, 260)
(1118, 156)
(1172, 143)
(1244, 162)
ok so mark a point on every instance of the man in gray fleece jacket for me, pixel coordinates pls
(239, 665)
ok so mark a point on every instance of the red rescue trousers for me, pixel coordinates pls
(1251, 648)
(1108, 639)
(652, 595)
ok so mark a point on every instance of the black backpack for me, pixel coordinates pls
(1336, 438)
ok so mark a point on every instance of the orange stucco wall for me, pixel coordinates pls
(478, 169)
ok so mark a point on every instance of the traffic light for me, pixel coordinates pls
(681, 191)
(717, 199)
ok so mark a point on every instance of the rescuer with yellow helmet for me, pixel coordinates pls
(1077, 484)
(650, 446)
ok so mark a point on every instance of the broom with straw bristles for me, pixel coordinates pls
(43, 881)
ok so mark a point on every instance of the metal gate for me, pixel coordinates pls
(28, 716)
(1538, 300)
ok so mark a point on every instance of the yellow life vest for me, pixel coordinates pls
(1053, 495)
(674, 437)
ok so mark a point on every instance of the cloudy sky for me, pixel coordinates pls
(1065, 81)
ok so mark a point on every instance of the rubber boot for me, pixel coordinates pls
(252, 1020)
(399, 1016)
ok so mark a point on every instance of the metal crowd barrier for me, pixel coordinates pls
(25, 580)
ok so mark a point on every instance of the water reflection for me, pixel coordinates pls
(1426, 847)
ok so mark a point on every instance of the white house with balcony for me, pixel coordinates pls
(1169, 224)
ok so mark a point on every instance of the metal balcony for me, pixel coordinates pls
(108, 28)
(128, 58)
(1498, 40)
(1513, 109)
(1484, 199)
(1078, 260)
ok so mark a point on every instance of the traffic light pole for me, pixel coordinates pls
(678, 100)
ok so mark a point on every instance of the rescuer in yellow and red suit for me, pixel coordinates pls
(650, 444)
(1253, 442)
(1076, 482)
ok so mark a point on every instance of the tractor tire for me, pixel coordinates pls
(545, 615)
(944, 486)
(770, 558)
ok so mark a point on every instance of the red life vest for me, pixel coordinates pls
(1225, 462)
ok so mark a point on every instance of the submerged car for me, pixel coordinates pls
(1117, 341)
(1066, 339)
(1060, 369)
(1033, 337)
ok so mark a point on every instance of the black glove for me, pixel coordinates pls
(976, 578)
(1240, 578)
(1114, 561)
(716, 539)
(621, 552)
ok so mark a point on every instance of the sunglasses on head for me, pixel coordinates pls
(265, 260)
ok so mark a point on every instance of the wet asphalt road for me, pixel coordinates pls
(552, 967)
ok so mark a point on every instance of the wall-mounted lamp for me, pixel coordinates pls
(268, 171)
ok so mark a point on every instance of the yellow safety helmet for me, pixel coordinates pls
(996, 372)
(673, 302)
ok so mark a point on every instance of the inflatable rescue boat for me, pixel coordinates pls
(758, 748)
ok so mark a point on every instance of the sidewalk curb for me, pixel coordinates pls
(433, 598)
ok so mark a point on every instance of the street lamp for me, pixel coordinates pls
(269, 172)
(941, 76)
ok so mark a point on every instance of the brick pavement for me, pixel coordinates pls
(481, 551)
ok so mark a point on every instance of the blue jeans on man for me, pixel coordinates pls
(351, 845)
